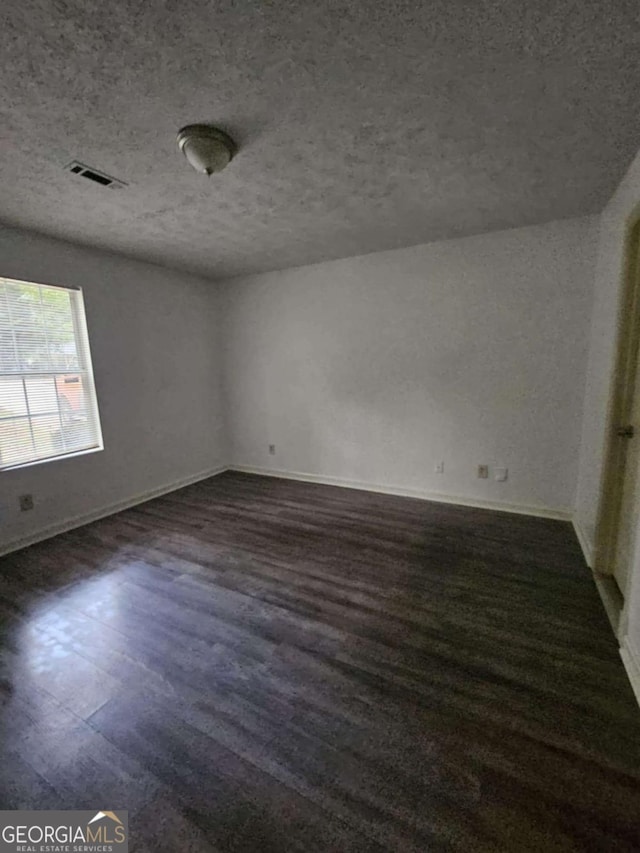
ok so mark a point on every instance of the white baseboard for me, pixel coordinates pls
(585, 544)
(631, 660)
(611, 598)
(402, 491)
(613, 603)
(86, 518)
(610, 595)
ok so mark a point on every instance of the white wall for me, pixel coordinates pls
(374, 368)
(154, 338)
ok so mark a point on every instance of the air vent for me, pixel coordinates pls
(94, 175)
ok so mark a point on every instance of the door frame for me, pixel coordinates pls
(621, 389)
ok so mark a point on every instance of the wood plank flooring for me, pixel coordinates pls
(256, 664)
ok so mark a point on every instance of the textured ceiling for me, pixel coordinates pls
(362, 125)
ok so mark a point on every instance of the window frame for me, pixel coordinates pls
(84, 369)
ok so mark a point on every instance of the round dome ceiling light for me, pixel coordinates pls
(207, 148)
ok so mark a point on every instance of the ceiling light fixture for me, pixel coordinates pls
(207, 148)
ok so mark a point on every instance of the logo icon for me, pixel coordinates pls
(111, 815)
(64, 831)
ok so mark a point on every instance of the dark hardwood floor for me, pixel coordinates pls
(255, 664)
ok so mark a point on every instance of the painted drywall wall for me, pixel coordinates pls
(375, 368)
(154, 338)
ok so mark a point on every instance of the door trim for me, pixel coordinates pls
(622, 385)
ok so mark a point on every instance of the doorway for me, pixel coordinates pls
(620, 499)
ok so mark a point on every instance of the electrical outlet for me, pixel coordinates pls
(272, 450)
(439, 469)
(483, 472)
(26, 502)
(501, 474)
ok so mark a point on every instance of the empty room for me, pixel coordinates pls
(319, 426)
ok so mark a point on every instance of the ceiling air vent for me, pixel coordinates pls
(94, 175)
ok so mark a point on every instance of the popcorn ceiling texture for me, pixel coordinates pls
(362, 125)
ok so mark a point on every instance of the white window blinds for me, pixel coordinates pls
(47, 398)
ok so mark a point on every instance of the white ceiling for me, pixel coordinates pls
(362, 125)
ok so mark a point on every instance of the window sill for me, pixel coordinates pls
(59, 458)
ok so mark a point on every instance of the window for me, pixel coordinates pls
(48, 403)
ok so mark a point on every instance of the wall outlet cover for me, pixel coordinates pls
(272, 450)
(439, 469)
(483, 472)
(501, 474)
(26, 502)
